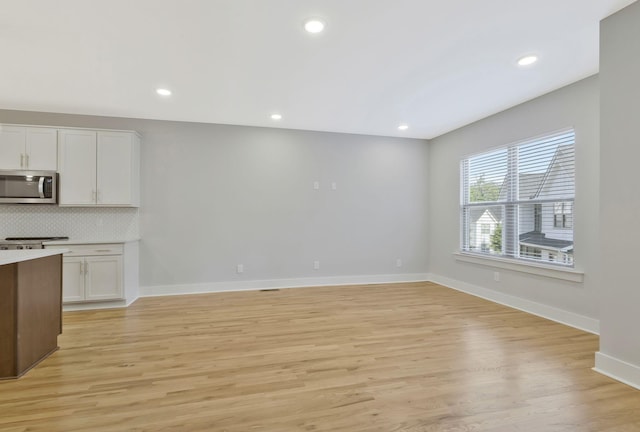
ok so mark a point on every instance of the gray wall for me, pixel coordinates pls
(572, 106)
(619, 186)
(215, 196)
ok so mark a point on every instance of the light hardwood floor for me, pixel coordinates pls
(408, 357)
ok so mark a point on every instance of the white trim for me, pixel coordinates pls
(617, 369)
(547, 248)
(530, 140)
(67, 128)
(115, 304)
(562, 316)
(254, 285)
(556, 272)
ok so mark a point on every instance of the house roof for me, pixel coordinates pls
(531, 185)
(528, 186)
(475, 213)
(540, 240)
(563, 156)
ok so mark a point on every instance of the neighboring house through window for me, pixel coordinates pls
(562, 215)
(517, 201)
(537, 217)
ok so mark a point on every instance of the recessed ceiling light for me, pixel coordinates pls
(163, 92)
(527, 60)
(314, 25)
(276, 117)
(403, 127)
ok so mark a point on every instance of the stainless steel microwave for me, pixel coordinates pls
(28, 187)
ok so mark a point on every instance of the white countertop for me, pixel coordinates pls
(14, 256)
(87, 241)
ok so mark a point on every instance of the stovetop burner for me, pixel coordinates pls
(27, 242)
(35, 238)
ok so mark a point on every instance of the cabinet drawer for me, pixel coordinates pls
(90, 249)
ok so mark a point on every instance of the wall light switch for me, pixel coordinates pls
(334, 186)
(316, 185)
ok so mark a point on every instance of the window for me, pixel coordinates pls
(537, 217)
(517, 201)
(562, 215)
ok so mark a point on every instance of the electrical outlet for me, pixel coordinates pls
(240, 268)
(334, 186)
(316, 185)
(496, 276)
(398, 262)
(316, 265)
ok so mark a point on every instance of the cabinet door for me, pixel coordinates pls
(42, 149)
(117, 168)
(12, 143)
(72, 279)
(77, 167)
(103, 280)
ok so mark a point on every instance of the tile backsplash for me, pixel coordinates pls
(77, 223)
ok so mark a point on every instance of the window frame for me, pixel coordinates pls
(512, 204)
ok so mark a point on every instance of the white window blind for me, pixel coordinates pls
(517, 201)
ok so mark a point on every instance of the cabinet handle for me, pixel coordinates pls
(41, 187)
(86, 266)
(21, 160)
(81, 272)
(94, 196)
(26, 157)
(98, 198)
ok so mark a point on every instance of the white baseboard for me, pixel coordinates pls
(254, 285)
(571, 319)
(96, 305)
(618, 370)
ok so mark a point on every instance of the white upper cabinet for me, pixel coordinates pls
(118, 170)
(28, 148)
(77, 167)
(98, 168)
(12, 144)
(42, 149)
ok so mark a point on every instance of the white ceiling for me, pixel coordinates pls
(433, 64)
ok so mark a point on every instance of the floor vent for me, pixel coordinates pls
(269, 289)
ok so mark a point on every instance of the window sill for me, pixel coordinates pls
(567, 274)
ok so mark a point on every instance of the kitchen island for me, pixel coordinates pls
(30, 308)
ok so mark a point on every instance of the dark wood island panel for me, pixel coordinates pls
(30, 313)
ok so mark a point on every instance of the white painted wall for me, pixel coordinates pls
(214, 196)
(619, 296)
(572, 106)
(218, 196)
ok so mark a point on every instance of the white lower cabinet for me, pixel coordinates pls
(103, 278)
(92, 272)
(72, 279)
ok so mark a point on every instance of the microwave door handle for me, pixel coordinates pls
(41, 186)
